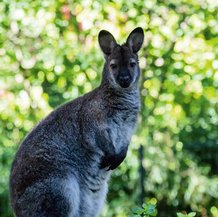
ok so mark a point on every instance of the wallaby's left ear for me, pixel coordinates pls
(106, 41)
(135, 39)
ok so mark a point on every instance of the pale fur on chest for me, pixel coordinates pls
(120, 134)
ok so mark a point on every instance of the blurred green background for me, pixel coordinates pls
(49, 54)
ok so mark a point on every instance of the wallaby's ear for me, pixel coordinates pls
(135, 39)
(106, 41)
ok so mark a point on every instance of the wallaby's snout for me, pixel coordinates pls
(126, 76)
(124, 81)
(121, 67)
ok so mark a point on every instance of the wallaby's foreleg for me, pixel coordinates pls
(113, 155)
(113, 161)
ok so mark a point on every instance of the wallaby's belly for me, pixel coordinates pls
(92, 202)
(87, 196)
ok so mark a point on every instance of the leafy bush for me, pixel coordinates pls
(149, 210)
(49, 55)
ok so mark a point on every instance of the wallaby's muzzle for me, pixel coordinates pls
(124, 81)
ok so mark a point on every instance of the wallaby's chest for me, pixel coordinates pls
(121, 126)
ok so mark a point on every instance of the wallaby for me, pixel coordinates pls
(62, 167)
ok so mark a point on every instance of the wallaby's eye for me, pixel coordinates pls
(132, 64)
(113, 66)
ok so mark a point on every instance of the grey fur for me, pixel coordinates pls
(63, 165)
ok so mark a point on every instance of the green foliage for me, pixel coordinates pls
(191, 214)
(49, 55)
(147, 210)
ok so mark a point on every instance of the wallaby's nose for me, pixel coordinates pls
(125, 78)
(125, 81)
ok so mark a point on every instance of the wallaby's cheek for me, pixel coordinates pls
(112, 76)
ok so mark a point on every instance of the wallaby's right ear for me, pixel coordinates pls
(135, 39)
(106, 42)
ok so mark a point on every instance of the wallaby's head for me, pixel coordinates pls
(121, 67)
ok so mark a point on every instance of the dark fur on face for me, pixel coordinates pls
(121, 67)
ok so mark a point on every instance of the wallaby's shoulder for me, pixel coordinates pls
(93, 106)
(90, 99)
(71, 108)
(67, 112)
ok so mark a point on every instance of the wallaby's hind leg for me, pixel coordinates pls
(48, 199)
(55, 206)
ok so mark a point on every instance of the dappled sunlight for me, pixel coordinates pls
(49, 54)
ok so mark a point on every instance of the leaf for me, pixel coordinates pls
(154, 213)
(151, 208)
(135, 216)
(180, 214)
(191, 214)
(138, 210)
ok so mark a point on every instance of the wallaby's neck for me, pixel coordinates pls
(128, 97)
